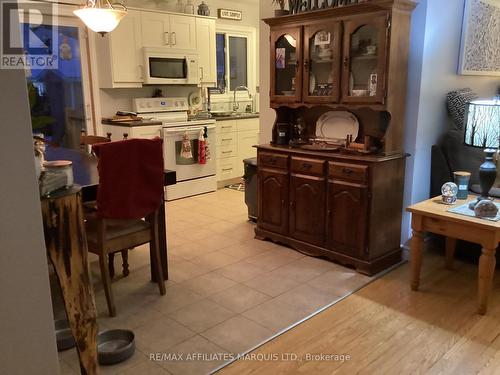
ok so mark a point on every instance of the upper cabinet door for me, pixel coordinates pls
(183, 32)
(126, 53)
(365, 59)
(205, 41)
(321, 63)
(286, 65)
(155, 29)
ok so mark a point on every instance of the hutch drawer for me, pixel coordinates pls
(273, 160)
(308, 166)
(345, 171)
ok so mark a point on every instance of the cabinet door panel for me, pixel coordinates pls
(273, 200)
(183, 33)
(155, 29)
(347, 217)
(322, 62)
(205, 44)
(126, 49)
(286, 65)
(365, 59)
(307, 208)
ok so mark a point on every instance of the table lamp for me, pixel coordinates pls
(482, 129)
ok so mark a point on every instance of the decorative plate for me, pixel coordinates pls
(337, 125)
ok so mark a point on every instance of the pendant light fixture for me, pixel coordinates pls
(101, 16)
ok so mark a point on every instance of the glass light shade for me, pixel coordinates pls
(100, 20)
(482, 127)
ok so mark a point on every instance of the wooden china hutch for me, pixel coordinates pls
(343, 203)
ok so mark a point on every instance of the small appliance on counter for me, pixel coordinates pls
(283, 133)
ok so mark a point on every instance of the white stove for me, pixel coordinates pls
(193, 178)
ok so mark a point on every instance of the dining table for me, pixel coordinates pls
(86, 175)
(66, 243)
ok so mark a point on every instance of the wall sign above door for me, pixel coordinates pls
(228, 14)
(301, 6)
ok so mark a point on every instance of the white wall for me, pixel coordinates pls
(441, 47)
(27, 340)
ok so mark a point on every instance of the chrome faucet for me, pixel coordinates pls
(236, 105)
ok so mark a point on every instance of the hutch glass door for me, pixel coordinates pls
(365, 60)
(286, 82)
(321, 63)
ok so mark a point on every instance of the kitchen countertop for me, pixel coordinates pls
(238, 117)
(131, 123)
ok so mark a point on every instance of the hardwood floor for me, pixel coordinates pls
(388, 329)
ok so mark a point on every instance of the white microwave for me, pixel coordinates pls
(161, 67)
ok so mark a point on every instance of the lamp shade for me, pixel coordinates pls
(101, 18)
(482, 123)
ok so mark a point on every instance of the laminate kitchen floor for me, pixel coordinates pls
(227, 292)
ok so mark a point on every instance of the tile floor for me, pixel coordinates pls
(227, 291)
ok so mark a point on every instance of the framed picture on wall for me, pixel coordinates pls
(480, 46)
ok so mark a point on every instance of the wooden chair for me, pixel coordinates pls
(89, 140)
(108, 236)
(107, 232)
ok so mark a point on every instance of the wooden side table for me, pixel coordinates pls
(433, 216)
(66, 244)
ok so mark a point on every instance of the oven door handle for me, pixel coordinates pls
(189, 129)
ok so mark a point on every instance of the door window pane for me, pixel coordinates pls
(363, 79)
(321, 64)
(238, 61)
(286, 65)
(56, 95)
(221, 61)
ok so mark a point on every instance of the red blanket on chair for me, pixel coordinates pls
(130, 178)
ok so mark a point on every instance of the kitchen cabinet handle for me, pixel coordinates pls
(227, 139)
(226, 169)
(166, 38)
(346, 61)
(297, 65)
(201, 73)
(227, 152)
(174, 38)
(226, 127)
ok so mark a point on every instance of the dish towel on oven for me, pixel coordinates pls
(186, 152)
(207, 145)
(202, 151)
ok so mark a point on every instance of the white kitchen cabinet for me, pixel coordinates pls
(235, 141)
(144, 132)
(168, 30)
(205, 45)
(119, 54)
(183, 32)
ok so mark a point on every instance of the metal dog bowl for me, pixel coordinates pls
(64, 336)
(115, 346)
